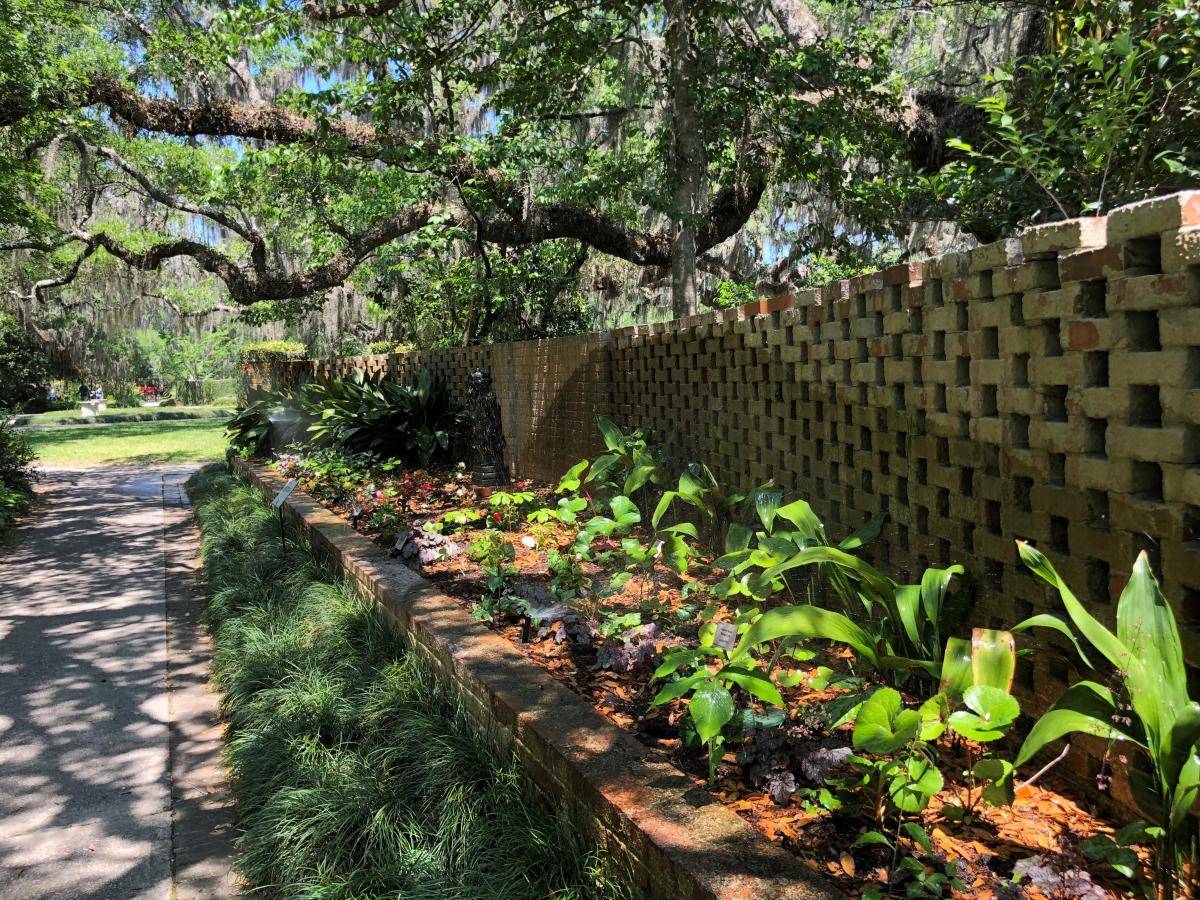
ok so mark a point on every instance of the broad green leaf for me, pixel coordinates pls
(638, 477)
(801, 515)
(675, 553)
(679, 688)
(570, 507)
(865, 533)
(737, 538)
(676, 658)
(766, 504)
(883, 725)
(993, 711)
(998, 773)
(918, 834)
(625, 511)
(683, 528)
(868, 576)
(871, 837)
(934, 713)
(613, 438)
(806, 621)
(914, 784)
(711, 707)
(664, 503)
(1085, 707)
(1100, 637)
(753, 680)
(1187, 789)
(1045, 620)
(1146, 627)
(908, 600)
(571, 480)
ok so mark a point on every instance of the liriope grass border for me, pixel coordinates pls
(356, 772)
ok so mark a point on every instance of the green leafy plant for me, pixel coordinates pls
(632, 462)
(249, 431)
(567, 578)
(719, 509)
(1160, 718)
(414, 421)
(712, 705)
(495, 556)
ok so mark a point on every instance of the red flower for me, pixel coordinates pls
(496, 516)
(427, 486)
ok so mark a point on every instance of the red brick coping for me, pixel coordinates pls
(672, 837)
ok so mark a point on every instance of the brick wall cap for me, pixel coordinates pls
(996, 255)
(1044, 241)
(1154, 216)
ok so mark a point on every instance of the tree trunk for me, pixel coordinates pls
(687, 163)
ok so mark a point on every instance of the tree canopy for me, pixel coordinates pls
(484, 152)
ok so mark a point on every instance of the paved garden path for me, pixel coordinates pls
(109, 779)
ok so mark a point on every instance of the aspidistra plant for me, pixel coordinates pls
(1161, 718)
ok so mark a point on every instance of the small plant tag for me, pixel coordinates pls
(725, 636)
(284, 493)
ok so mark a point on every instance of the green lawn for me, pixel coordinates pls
(136, 443)
(127, 414)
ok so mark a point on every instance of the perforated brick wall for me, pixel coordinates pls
(1045, 387)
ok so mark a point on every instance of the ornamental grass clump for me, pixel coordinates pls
(355, 774)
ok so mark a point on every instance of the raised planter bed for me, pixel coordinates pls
(674, 839)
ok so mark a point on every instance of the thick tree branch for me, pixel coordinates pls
(223, 119)
(327, 12)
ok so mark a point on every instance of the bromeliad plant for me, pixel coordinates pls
(1160, 718)
(368, 412)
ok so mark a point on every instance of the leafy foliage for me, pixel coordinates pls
(25, 365)
(1160, 717)
(368, 412)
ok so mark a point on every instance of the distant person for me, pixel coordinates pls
(53, 394)
(84, 392)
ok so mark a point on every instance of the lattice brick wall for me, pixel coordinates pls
(1045, 387)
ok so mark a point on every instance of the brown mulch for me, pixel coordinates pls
(988, 843)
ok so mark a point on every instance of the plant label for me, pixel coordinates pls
(725, 636)
(284, 493)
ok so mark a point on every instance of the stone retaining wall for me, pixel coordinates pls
(671, 836)
(1045, 387)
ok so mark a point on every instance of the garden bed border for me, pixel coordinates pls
(673, 838)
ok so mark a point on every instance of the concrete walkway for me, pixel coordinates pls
(109, 779)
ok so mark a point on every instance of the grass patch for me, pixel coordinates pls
(126, 414)
(355, 774)
(137, 443)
